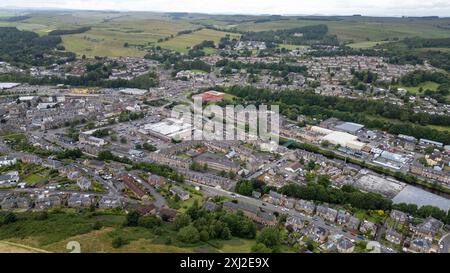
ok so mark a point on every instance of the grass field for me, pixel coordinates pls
(109, 33)
(291, 47)
(109, 39)
(111, 30)
(237, 246)
(138, 239)
(425, 86)
(365, 45)
(34, 179)
(10, 247)
(364, 28)
(440, 128)
(101, 241)
(182, 43)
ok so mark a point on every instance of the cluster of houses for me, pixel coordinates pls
(253, 212)
(47, 200)
(400, 152)
(204, 154)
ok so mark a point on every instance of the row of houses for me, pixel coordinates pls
(253, 212)
(207, 179)
(341, 217)
(54, 200)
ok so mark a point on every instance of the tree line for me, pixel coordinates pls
(404, 119)
(300, 35)
(28, 48)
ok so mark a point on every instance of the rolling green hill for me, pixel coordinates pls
(111, 30)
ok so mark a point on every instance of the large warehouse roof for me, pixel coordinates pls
(340, 138)
(350, 127)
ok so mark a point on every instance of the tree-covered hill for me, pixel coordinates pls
(26, 47)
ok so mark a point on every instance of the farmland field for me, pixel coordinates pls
(111, 30)
(183, 42)
(365, 45)
(363, 29)
(109, 39)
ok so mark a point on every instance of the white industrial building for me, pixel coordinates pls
(339, 138)
(8, 85)
(133, 91)
(169, 129)
(7, 161)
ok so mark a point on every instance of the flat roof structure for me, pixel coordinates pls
(415, 195)
(340, 138)
(350, 127)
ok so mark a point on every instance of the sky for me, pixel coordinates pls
(282, 7)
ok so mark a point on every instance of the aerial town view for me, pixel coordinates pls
(272, 127)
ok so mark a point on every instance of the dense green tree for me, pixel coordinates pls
(132, 219)
(270, 237)
(260, 248)
(188, 234)
(182, 220)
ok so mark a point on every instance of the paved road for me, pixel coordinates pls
(269, 207)
(160, 201)
(444, 244)
(267, 168)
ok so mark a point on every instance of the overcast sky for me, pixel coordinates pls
(324, 7)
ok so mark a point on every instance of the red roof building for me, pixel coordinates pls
(210, 96)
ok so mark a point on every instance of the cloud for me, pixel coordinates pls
(325, 7)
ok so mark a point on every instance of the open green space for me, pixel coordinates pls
(366, 45)
(111, 30)
(182, 43)
(34, 179)
(291, 47)
(422, 86)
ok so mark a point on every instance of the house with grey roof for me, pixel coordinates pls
(428, 228)
(399, 216)
(78, 200)
(345, 246)
(393, 236)
(180, 193)
(48, 201)
(347, 220)
(253, 212)
(295, 222)
(318, 233)
(83, 183)
(326, 212)
(304, 206)
(256, 194)
(276, 198)
(209, 206)
(420, 245)
(368, 227)
(9, 179)
(110, 202)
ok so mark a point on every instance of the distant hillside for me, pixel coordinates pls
(69, 31)
(15, 19)
(26, 47)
